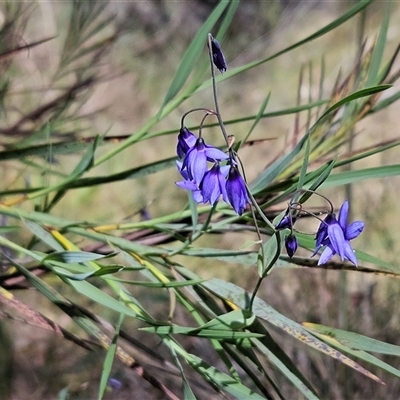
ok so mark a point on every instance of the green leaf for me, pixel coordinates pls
(346, 177)
(159, 285)
(239, 297)
(356, 95)
(108, 361)
(215, 377)
(353, 340)
(361, 354)
(327, 28)
(110, 269)
(99, 296)
(199, 332)
(323, 174)
(258, 117)
(233, 320)
(75, 256)
(286, 371)
(377, 54)
(43, 235)
(303, 170)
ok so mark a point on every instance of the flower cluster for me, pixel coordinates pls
(334, 235)
(209, 184)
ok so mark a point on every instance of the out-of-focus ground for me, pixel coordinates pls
(153, 38)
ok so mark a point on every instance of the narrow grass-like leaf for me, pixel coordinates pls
(286, 371)
(377, 54)
(75, 256)
(215, 377)
(258, 117)
(240, 298)
(303, 170)
(270, 173)
(356, 95)
(109, 359)
(346, 177)
(324, 172)
(199, 332)
(361, 354)
(327, 28)
(354, 340)
(99, 296)
(158, 285)
(110, 269)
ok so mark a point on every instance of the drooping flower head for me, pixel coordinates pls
(236, 190)
(213, 184)
(188, 184)
(336, 236)
(218, 56)
(195, 161)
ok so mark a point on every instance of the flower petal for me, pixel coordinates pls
(343, 215)
(349, 253)
(215, 154)
(188, 185)
(337, 240)
(354, 229)
(326, 255)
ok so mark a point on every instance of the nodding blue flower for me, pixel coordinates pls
(236, 190)
(213, 184)
(218, 56)
(187, 184)
(338, 235)
(186, 140)
(291, 245)
(195, 161)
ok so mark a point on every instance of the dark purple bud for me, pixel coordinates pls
(218, 56)
(291, 245)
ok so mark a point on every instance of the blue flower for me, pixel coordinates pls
(236, 190)
(187, 184)
(186, 140)
(291, 245)
(336, 235)
(218, 56)
(213, 184)
(195, 161)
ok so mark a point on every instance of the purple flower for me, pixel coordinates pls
(291, 245)
(187, 184)
(186, 140)
(218, 56)
(236, 191)
(213, 184)
(195, 161)
(336, 236)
